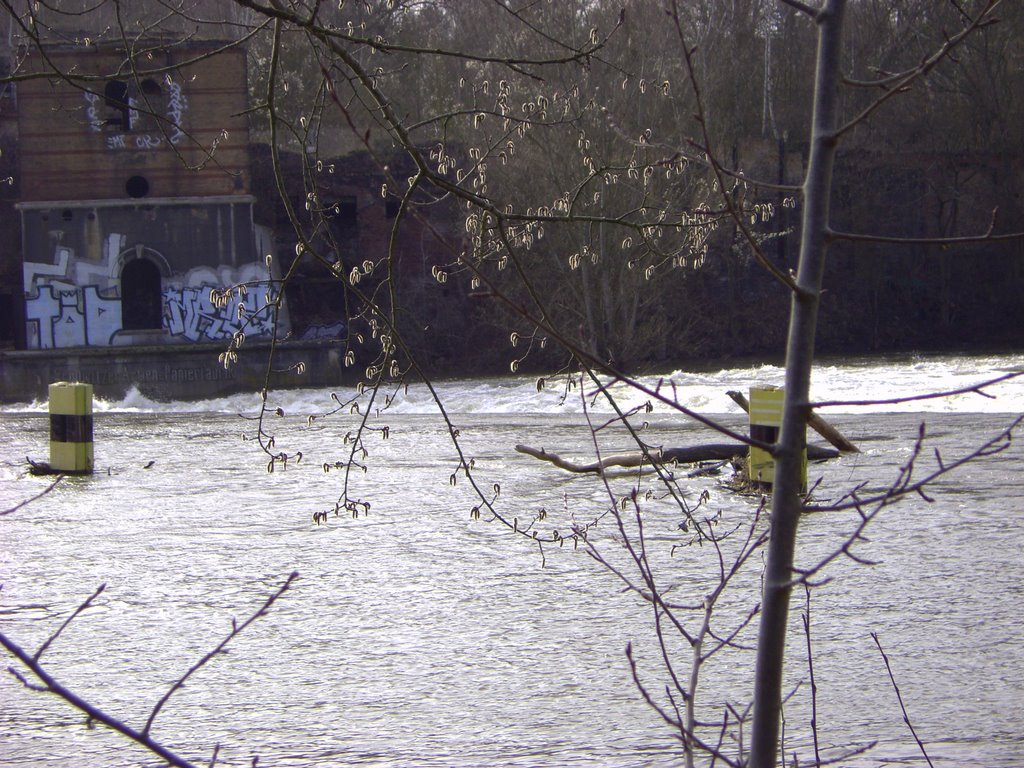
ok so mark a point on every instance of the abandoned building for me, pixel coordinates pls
(135, 199)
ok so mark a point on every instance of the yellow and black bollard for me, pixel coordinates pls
(766, 405)
(71, 427)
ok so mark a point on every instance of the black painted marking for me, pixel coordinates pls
(70, 429)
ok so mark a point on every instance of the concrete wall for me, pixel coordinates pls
(75, 255)
(170, 373)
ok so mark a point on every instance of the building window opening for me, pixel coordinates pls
(346, 212)
(141, 296)
(151, 88)
(115, 99)
(151, 106)
(136, 186)
(343, 221)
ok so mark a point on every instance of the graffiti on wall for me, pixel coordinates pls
(130, 118)
(189, 314)
(63, 310)
(68, 316)
(176, 106)
(60, 316)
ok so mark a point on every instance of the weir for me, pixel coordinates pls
(171, 373)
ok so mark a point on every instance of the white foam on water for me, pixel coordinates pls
(853, 382)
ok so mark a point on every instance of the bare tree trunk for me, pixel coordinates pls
(786, 500)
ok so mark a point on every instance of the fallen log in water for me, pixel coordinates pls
(690, 455)
(814, 421)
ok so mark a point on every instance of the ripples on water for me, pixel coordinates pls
(416, 636)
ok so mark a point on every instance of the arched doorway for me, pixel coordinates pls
(141, 298)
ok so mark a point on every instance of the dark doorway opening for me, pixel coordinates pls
(141, 297)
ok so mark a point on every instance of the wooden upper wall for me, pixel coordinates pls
(172, 125)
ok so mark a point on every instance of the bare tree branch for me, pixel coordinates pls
(899, 697)
(39, 495)
(802, 7)
(50, 685)
(904, 81)
(236, 629)
(68, 620)
(143, 737)
(988, 236)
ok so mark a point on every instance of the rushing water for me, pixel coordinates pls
(416, 636)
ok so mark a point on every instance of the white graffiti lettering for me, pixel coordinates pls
(333, 331)
(62, 317)
(148, 141)
(91, 114)
(190, 313)
(144, 141)
(43, 273)
(177, 104)
(133, 114)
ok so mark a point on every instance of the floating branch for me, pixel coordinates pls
(689, 455)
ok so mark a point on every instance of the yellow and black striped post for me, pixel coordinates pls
(766, 404)
(71, 427)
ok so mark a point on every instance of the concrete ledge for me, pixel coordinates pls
(171, 372)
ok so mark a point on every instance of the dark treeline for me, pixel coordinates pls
(937, 161)
(612, 171)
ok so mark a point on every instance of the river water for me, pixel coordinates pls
(418, 636)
